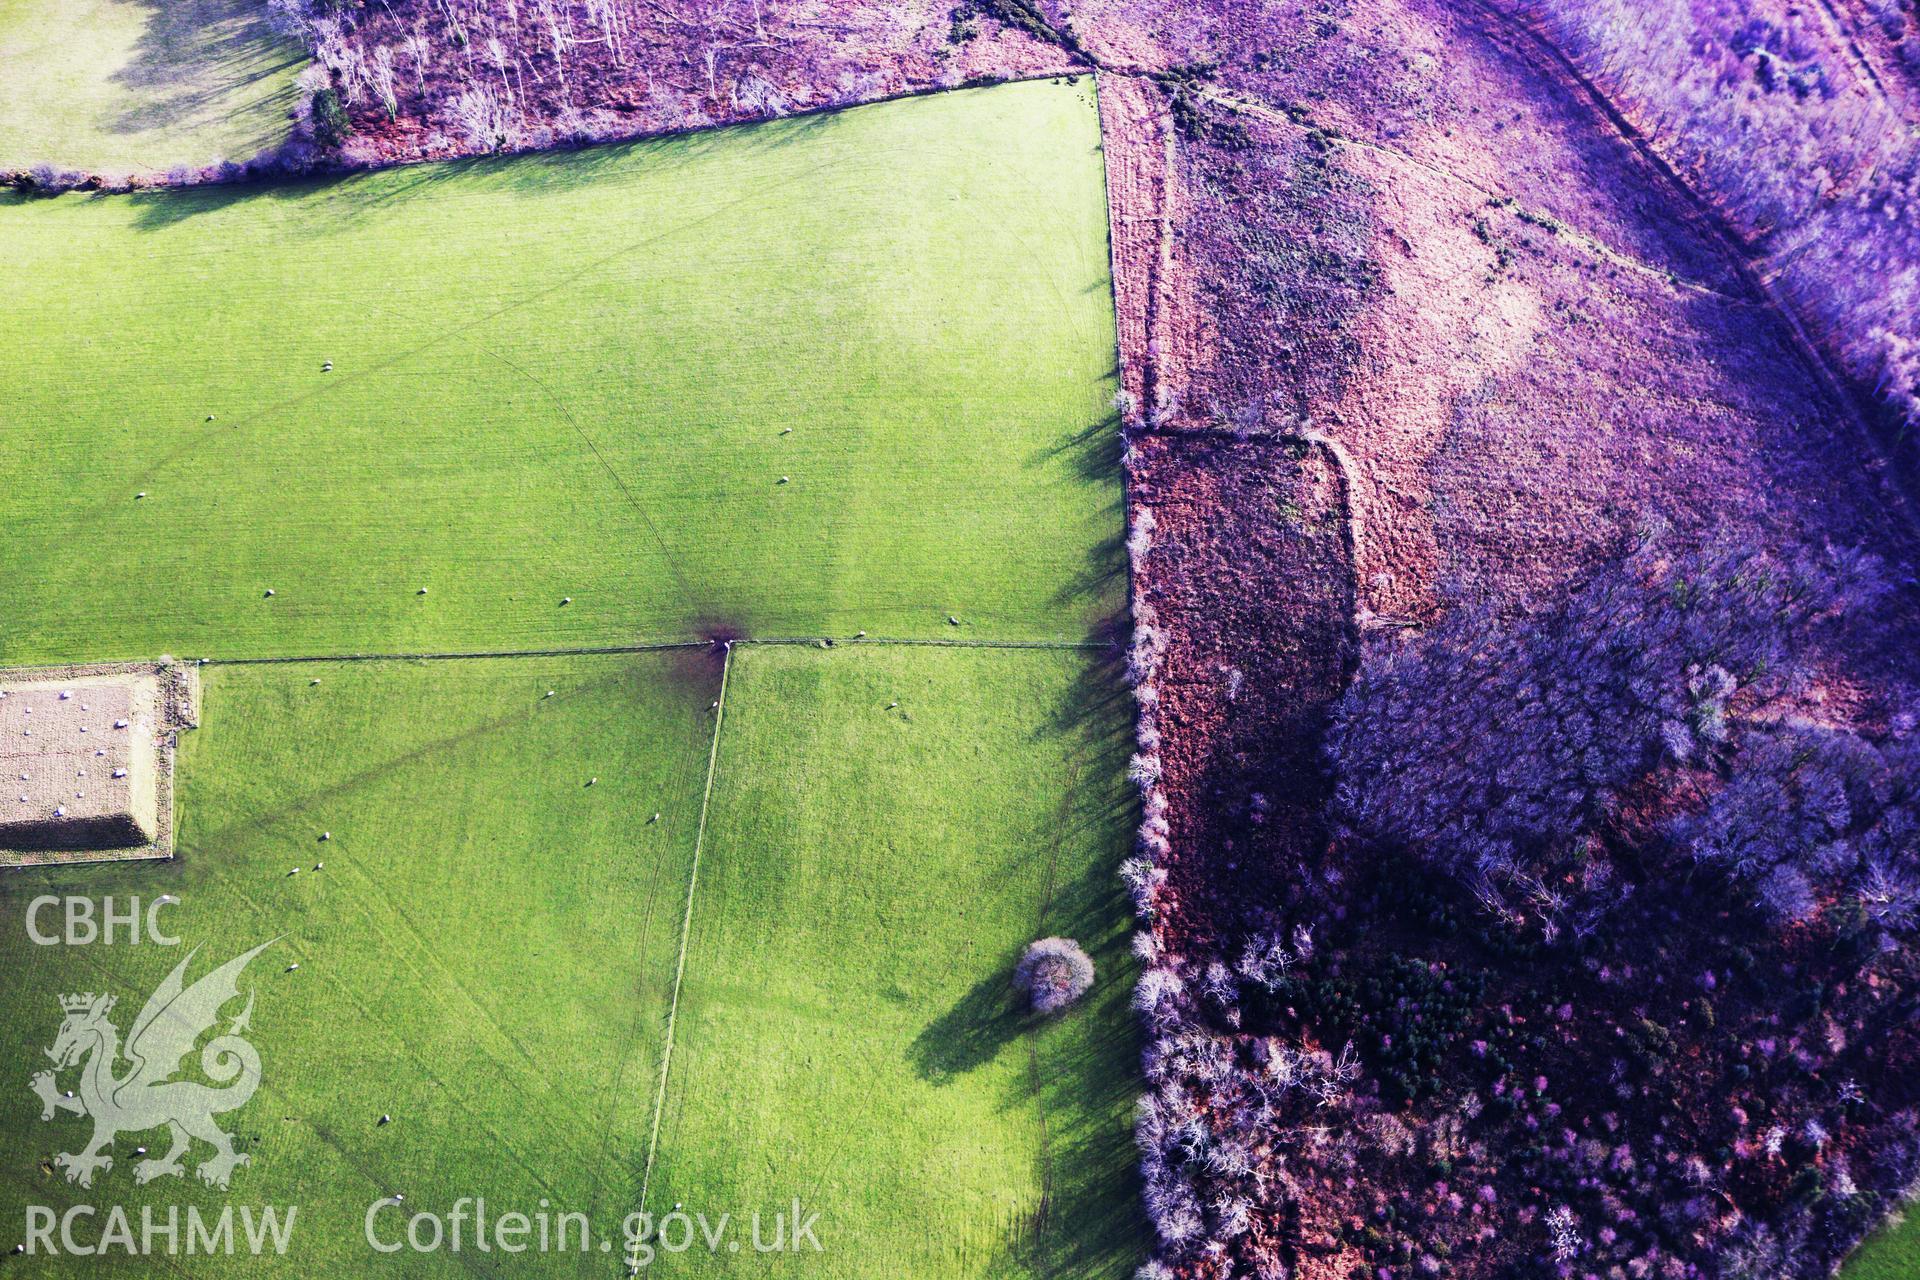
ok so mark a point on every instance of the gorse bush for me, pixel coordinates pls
(50, 180)
(329, 116)
(1405, 1016)
(1502, 755)
(1053, 973)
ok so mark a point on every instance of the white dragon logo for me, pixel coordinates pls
(146, 1096)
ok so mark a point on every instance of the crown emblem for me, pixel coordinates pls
(80, 1003)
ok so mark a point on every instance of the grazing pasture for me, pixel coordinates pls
(1891, 1254)
(822, 375)
(485, 944)
(559, 929)
(141, 86)
(848, 1031)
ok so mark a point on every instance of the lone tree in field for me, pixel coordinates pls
(1053, 973)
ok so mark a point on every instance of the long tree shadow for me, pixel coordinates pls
(193, 55)
(971, 1034)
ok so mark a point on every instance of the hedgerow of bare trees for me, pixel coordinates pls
(520, 71)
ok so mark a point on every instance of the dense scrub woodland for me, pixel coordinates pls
(1605, 966)
(1518, 410)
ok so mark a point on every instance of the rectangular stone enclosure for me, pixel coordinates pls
(86, 760)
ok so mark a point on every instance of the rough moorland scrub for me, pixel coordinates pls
(1796, 122)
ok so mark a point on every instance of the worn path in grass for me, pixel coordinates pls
(139, 86)
(821, 375)
(846, 1032)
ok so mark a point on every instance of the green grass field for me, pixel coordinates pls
(133, 86)
(568, 376)
(564, 394)
(488, 951)
(1891, 1254)
(846, 1033)
(487, 955)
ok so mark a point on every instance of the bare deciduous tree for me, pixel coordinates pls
(379, 73)
(420, 50)
(1053, 974)
(485, 120)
